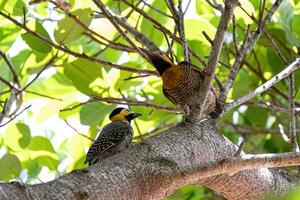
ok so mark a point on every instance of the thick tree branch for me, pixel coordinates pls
(154, 168)
(209, 70)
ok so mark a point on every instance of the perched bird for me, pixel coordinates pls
(181, 84)
(114, 137)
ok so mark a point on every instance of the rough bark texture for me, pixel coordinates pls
(153, 169)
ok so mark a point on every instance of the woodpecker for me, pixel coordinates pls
(181, 84)
(114, 137)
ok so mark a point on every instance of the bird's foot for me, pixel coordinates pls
(217, 111)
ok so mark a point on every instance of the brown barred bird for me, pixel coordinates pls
(181, 85)
(114, 137)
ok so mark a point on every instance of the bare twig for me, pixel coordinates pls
(245, 49)
(42, 95)
(208, 38)
(87, 137)
(108, 15)
(251, 130)
(182, 32)
(11, 67)
(236, 48)
(79, 55)
(155, 9)
(15, 116)
(138, 103)
(283, 74)
(292, 121)
(78, 105)
(240, 148)
(3, 80)
(39, 73)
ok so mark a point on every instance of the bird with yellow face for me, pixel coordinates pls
(114, 137)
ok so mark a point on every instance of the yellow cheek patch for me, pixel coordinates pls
(121, 116)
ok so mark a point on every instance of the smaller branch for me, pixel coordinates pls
(261, 13)
(134, 77)
(208, 38)
(283, 74)
(78, 55)
(283, 135)
(108, 15)
(187, 7)
(15, 116)
(39, 73)
(77, 105)
(42, 95)
(218, 41)
(269, 106)
(172, 9)
(155, 9)
(137, 103)
(250, 130)
(240, 148)
(87, 137)
(215, 5)
(6, 82)
(292, 121)
(182, 32)
(236, 48)
(235, 164)
(245, 49)
(11, 67)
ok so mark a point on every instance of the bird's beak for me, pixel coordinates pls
(132, 116)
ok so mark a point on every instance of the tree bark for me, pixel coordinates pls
(155, 168)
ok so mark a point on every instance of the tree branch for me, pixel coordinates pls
(161, 164)
(216, 49)
(245, 49)
(292, 111)
(79, 55)
(283, 74)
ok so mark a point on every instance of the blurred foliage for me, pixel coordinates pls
(27, 148)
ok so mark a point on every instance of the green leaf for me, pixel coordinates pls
(17, 136)
(25, 130)
(75, 146)
(85, 75)
(94, 113)
(243, 84)
(240, 14)
(194, 30)
(257, 116)
(116, 6)
(8, 34)
(36, 44)
(33, 168)
(68, 30)
(147, 26)
(42, 151)
(10, 167)
(295, 25)
(13, 7)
